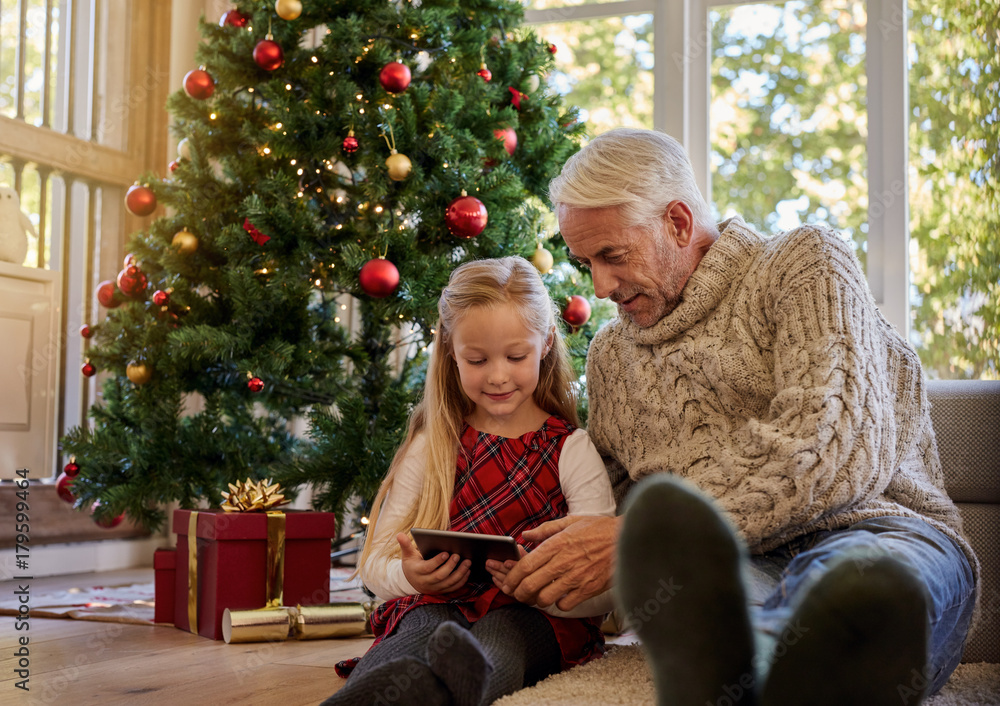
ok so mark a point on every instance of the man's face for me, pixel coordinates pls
(641, 269)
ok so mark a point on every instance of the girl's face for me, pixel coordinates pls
(498, 362)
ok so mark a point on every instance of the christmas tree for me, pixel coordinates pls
(336, 157)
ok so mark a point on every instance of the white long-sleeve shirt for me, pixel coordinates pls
(582, 478)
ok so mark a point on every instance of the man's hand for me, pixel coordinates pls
(440, 574)
(574, 562)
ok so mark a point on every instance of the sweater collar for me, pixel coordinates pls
(724, 263)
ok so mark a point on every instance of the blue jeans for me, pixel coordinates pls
(775, 578)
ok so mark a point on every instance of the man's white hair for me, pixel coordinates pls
(639, 171)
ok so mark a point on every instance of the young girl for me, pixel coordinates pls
(492, 448)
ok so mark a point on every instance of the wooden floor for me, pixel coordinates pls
(85, 662)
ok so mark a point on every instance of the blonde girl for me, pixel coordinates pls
(493, 447)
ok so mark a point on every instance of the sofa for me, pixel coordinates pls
(966, 418)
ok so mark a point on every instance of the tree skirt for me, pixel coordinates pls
(621, 677)
(134, 603)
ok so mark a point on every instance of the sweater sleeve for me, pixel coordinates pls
(587, 489)
(383, 572)
(832, 437)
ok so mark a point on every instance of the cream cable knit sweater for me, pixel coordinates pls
(777, 387)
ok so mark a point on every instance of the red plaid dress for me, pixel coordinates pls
(505, 486)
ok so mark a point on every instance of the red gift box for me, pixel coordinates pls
(164, 567)
(232, 550)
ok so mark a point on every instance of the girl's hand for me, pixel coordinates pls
(499, 569)
(439, 574)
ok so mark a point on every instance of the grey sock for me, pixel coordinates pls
(406, 681)
(458, 660)
(680, 587)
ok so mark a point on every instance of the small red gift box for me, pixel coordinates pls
(231, 561)
(164, 567)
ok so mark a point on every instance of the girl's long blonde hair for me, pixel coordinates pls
(508, 281)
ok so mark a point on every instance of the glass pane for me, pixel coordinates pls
(788, 118)
(954, 225)
(549, 4)
(605, 67)
(9, 24)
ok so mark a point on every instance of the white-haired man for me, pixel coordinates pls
(752, 389)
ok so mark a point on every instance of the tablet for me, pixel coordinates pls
(468, 545)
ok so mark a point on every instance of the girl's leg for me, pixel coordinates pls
(395, 671)
(520, 643)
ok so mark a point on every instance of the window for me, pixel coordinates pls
(80, 120)
(849, 109)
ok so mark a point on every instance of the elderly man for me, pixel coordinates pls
(752, 389)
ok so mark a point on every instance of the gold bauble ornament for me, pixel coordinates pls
(139, 373)
(288, 9)
(185, 242)
(542, 259)
(399, 166)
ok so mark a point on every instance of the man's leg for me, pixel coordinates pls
(680, 586)
(522, 646)
(876, 613)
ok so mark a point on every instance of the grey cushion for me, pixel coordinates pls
(966, 417)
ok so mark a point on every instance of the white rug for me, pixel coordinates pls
(622, 678)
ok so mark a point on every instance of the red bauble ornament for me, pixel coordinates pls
(172, 167)
(395, 77)
(466, 216)
(88, 369)
(255, 384)
(71, 469)
(379, 278)
(132, 281)
(140, 200)
(199, 84)
(107, 294)
(107, 522)
(509, 138)
(484, 73)
(268, 55)
(552, 49)
(233, 18)
(577, 311)
(350, 143)
(161, 298)
(86, 331)
(64, 488)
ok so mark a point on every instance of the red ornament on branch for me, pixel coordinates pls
(466, 216)
(132, 281)
(161, 298)
(106, 522)
(552, 49)
(395, 77)
(350, 143)
(258, 237)
(255, 384)
(140, 200)
(88, 369)
(577, 311)
(233, 18)
(484, 73)
(107, 294)
(199, 84)
(86, 331)
(379, 278)
(71, 469)
(268, 55)
(509, 138)
(64, 488)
